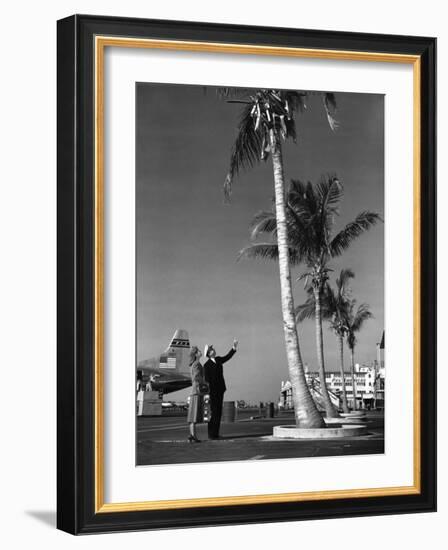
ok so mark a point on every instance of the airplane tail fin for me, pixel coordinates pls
(180, 339)
(176, 356)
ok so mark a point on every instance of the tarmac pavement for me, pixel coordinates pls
(163, 440)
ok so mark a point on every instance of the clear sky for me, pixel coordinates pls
(188, 239)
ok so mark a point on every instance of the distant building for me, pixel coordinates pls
(369, 383)
(381, 374)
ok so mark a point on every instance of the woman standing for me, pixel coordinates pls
(198, 390)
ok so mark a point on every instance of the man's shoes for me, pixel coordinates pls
(214, 437)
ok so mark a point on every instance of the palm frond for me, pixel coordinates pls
(303, 200)
(329, 101)
(246, 149)
(295, 100)
(263, 222)
(265, 109)
(298, 196)
(266, 222)
(363, 222)
(228, 93)
(330, 192)
(306, 276)
(351, 340)
(343, 279)
(330, 296)
(362, 314)
(327, 303)
(310, 212)
(313, 208)
(306, 310)
(298, 230)
(291, 129)
(339, 303)
(355, 321)
(297, 187)
(266, 251)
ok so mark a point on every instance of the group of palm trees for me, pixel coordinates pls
(300, 227)
(346, 320)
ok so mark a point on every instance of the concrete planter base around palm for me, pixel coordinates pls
(346, 420)
(292, 432)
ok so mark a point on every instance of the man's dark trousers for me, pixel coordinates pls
(216, 401)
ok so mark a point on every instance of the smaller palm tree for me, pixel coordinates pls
(355, 321)
(335, 304)
(338, 305)
(307, 310)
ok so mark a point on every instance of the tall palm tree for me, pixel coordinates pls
(310, 217)
(355, 320)
(267, 118)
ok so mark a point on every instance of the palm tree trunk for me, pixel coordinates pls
(341, 366)
(330, 409)
(305, 410)
(352, 368)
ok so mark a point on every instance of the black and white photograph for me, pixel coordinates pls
(221, 309)
(259, 274)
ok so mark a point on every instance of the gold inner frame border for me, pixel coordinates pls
(100, 43)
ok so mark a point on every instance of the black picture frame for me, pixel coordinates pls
(76, 511)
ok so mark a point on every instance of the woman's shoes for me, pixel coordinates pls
(193, 439)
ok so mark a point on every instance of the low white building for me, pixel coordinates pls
(369, 384)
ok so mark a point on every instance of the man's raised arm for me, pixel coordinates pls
(231, 352)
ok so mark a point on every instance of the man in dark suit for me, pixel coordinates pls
(213, 373)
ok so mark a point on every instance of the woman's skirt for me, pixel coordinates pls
(197, 409)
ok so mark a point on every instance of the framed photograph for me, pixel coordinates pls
(246, 274)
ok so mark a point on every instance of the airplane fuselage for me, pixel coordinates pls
(170, 371)
(163, 381)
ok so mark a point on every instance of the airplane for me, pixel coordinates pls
(168, 372)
